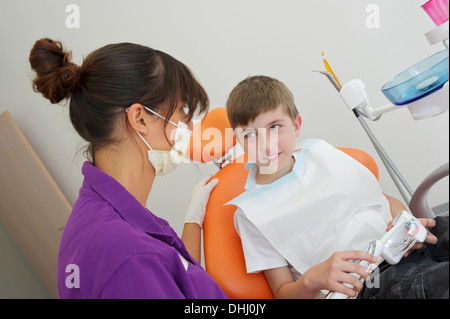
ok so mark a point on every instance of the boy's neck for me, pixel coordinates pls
(264, 179)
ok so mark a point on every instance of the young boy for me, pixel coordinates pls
(306, 214)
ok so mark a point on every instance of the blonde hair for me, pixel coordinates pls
(256, 95)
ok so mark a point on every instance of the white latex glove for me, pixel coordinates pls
(199, 199)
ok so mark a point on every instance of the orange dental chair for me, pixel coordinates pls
(224, 258)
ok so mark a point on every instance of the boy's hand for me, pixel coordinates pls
(333, 272)
(430, 239)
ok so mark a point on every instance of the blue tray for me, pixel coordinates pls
(418, 81)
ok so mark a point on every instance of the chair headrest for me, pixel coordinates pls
(212, 137)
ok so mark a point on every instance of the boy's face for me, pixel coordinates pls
(270, 140)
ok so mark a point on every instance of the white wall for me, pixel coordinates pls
(224, 41)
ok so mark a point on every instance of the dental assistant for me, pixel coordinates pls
(125, 102)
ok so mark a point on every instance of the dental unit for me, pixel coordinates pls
(424, 90)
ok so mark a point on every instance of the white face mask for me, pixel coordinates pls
(166, 161)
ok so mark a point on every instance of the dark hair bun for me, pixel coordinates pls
(56, 77)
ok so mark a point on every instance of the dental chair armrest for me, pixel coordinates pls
(419, 202)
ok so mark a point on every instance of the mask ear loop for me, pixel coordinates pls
(140, 134)
(151, 149)
(159, 115)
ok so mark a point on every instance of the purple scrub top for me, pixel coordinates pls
(113, 247)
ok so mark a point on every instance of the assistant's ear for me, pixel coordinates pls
(297, 125)
(137, 118)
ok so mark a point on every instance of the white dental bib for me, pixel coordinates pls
(329, 202)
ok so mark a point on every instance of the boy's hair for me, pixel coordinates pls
(256, 95)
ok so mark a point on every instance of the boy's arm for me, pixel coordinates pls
(395, 205)
(329, 275)
(283, 285)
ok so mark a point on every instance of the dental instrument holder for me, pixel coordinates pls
(356, 98)
(439, 34)
(405, 232)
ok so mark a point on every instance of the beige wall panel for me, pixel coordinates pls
(33, 209)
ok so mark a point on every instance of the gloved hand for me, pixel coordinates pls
(198, 200)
